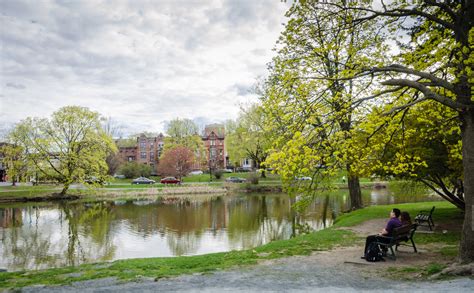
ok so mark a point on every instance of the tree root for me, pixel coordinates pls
(455, 269)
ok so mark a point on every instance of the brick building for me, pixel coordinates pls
(213, 139)
(148, 150)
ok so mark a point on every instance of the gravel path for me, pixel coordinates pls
(295, 274)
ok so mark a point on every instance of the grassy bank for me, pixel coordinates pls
(327, 239)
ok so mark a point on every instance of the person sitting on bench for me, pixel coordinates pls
(405, 218)
(393, 223)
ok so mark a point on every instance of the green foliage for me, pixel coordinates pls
(69, 147)
(312, 104)
(134, 169)
(246, 137)
(15, 161)
(422, 143)
(184, 132)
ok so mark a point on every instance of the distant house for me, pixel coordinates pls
(213, 139)
(246, 164)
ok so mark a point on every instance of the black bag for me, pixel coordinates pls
(374, 253)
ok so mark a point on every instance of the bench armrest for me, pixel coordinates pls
(384, 237)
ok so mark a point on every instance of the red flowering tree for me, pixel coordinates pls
(176, 161)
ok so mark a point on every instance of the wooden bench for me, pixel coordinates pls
(399, 235)
(425, 217)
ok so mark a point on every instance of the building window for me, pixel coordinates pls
(142, 145)
(130, 159)
(213, 142)
(143, 155)
(246, 162)
(152, 155)
(213, 153)
(220, 152)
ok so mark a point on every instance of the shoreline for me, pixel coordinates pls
(44, 194)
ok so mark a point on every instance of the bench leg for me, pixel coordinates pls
(413, 243)
(393, 253)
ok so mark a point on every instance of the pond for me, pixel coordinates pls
(36, 236)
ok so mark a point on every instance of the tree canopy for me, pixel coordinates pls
(430, 58)
(246, 136)
(177, 161)
(69, 147)
(312, 101)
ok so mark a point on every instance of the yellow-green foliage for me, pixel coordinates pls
(69, 147)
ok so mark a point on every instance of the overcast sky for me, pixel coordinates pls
(140, 62)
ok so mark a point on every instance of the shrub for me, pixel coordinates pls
(253, 178)
(218, 174)
(134, 169)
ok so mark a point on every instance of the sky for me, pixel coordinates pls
(142, 63)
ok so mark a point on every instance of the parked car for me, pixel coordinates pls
(119, 176)
(226, 170)
(304, 178)
(143, 180)
(170, 180)
(243, 169)
(197, 172)
(235, 179)
(95, 180)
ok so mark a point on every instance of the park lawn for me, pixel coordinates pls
(134, 269)
(27, 191)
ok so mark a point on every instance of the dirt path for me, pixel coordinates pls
(338, 270)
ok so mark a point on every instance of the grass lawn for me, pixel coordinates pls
(326, 239)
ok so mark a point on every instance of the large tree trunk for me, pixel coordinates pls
(64, 190)
(354, 189)
(466, 249)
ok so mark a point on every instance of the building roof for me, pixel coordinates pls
(218, 130)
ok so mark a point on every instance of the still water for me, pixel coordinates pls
(35, 236)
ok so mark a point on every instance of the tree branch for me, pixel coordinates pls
(428, 93)
(402, 69)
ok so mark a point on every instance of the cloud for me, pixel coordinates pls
(141, 62)
(17, 86)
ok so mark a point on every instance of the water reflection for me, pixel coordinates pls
(54, 235)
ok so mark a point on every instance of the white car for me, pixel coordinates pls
(304, 178)
(198, 172)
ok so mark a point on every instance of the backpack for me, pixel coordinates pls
(373, 253)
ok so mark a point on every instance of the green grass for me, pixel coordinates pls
(326, 239)
(27, 191)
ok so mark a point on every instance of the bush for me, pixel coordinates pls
(253, 178)
(218, 174)
(134, 169)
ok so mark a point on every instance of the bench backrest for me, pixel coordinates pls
(405, 231)
(432, 210)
